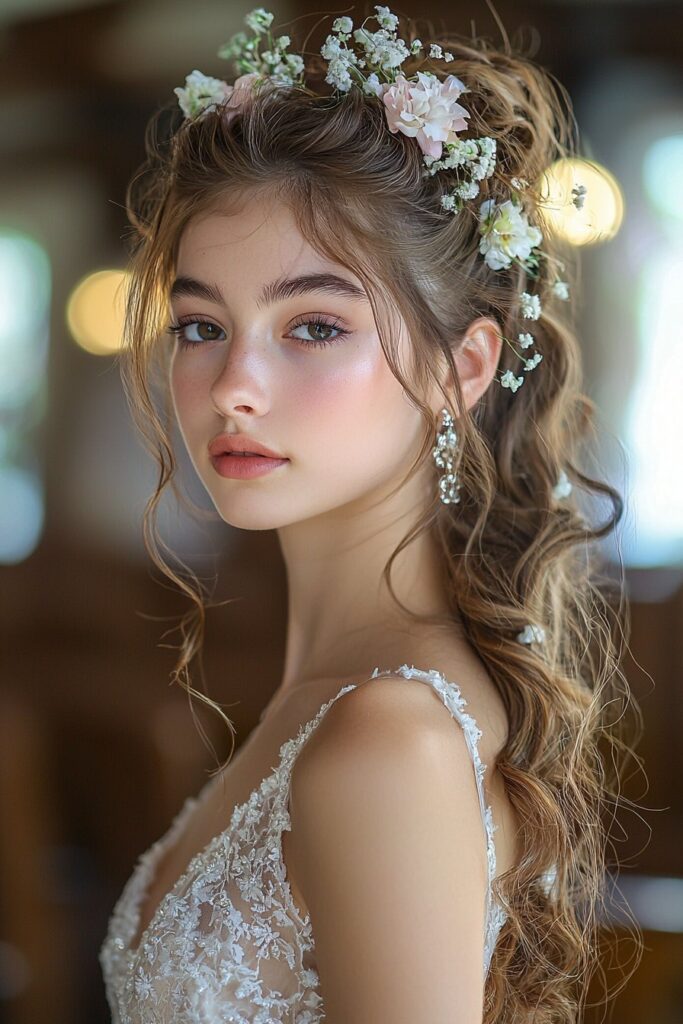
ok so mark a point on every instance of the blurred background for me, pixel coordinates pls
(97, 752)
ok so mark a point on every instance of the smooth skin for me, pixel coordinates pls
(389, 847)
(387, 837)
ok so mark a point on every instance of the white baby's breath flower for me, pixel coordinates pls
(563, 488)
(435, 51)
(201, 93)
(295, 63)
(331, 48)
(506, 233)
(415, 45)
(259, 20)
(372, 85)
(531, 364)
(508, 380)
(283, 74)
(380, 49)
(561, 289)
(485, 165)
(468, 189)
(448, 57)
(525, 340)
(338, 74)
(530, 306)
(450, 202)
(385, 18)
(531, 634)
(344, 25)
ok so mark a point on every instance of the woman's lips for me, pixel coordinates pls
(244, 467)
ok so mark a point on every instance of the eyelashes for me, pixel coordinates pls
(181, 326)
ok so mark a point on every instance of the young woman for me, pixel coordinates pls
(339, 272)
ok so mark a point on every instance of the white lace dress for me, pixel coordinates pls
(227, 942)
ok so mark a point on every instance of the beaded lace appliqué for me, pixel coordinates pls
(227, 942)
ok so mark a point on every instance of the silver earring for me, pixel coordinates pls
(444, 456)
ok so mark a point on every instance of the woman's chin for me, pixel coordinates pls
(260, 512)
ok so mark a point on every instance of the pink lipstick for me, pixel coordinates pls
(244, 467)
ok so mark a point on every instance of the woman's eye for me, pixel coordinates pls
(318, 331)
(203, 327)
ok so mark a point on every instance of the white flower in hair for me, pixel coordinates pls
(259, 20)
(478, 156)
(563, 488)
(506, 233)
(380, 49)
(338, 74)
(386, 19)
(531, 364)
(372, 85)
(467, 190)
(561, 289)
(201, 93)
(531, 634)
(332, 48)
(525, 340)
(530, 306)
(426, 110)
(344, 25)
(508, 380)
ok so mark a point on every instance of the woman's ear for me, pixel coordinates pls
(476, 360)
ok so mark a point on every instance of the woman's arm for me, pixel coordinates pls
(389, 851)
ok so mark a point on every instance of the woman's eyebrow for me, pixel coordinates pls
(281, 288)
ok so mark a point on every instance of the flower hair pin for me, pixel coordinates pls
(424, 107)
(531, 634)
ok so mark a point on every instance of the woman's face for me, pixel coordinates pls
(321, 396)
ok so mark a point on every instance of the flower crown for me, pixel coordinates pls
(423, 107)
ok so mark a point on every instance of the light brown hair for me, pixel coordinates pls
(513, 554)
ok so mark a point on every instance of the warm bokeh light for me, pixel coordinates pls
(602, 212)
(95, 311)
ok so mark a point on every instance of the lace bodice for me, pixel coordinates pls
(227, 942)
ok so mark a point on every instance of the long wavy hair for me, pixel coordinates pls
(512, 552)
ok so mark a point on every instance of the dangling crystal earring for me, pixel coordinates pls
(444, 456)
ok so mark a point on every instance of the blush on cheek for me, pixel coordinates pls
(333, 408)
(340, 390)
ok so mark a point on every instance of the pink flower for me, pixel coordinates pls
(426, 110)
(239, 96)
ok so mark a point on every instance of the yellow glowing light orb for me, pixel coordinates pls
(602, 212)
(95, 311)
